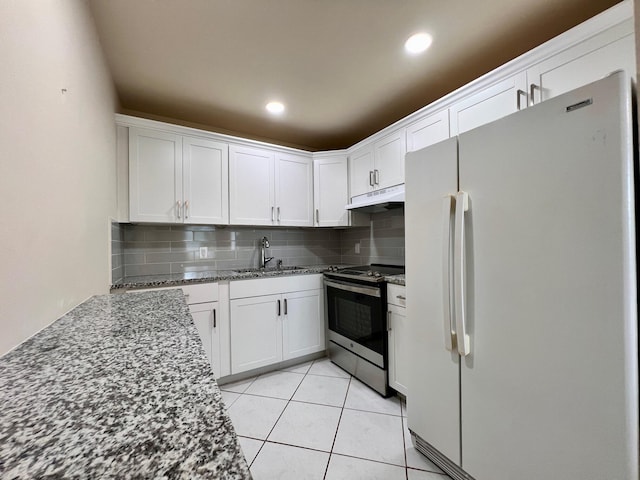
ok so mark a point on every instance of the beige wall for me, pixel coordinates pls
(57, 174)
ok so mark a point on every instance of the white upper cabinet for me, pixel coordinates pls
(378, 165)
(388, 159)
(361, 171)
(251, 192)
(269, 189)
(205, 170)
(293, 190)
(492, 103)
(175, 179)
(330, 191)
(428, 130)
(586, 62)
(155, 176)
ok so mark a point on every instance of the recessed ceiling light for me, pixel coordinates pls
(418, 43)
(275, 107)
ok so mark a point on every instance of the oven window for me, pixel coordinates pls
(358, 317)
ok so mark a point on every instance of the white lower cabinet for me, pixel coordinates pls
(256, 332)
(275, 319)
(398, 338)
(302, 331)
(205, 317)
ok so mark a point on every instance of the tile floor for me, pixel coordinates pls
(315, 421)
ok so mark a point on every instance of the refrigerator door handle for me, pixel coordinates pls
(462, 205)
(449, 333)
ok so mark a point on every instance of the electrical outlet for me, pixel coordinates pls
(357, 247)
(203, 252)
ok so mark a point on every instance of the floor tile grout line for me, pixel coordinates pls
(337, 427)
(404, 445)
(371, 411)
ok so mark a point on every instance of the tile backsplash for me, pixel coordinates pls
(381, 242)
(151, 249)
(117, 252)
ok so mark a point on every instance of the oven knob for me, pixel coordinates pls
(369, 273)
(377, 274)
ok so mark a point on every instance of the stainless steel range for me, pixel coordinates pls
(356, 312)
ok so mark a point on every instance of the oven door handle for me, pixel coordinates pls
(350, 287)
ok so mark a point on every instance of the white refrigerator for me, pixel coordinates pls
(521, 293)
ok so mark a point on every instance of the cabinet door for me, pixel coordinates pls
(584, 63)
(398, 351)
(427, 131)
(389, 160)
(251, 192)
(205, 317)
(294, 190)
(331, 191)
(489, 104)
(256, 332)
(361, 171)
(155, 176)
(303, 326)
(205, 181)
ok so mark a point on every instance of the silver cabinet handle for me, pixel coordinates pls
(214, 318)
(178, 209)
(186, 209)
(519, 94)
(376, 177)
(388, 320)
(272, 219)
(285, 306)
(278, 307)
(371, 178)
(317, 216)
(278, 214)
(401, 297)
(532, 98)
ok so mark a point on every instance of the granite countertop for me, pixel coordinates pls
(395, 279)
(149, 281)
(117, 388)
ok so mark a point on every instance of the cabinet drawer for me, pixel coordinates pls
(256, 287)
(396, 295)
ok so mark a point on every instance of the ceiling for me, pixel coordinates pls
(338, 65)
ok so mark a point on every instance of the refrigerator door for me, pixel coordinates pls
(433, 400)
(550, 387)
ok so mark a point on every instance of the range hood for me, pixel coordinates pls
(379, 200)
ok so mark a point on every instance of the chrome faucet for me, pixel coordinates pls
(264, 244)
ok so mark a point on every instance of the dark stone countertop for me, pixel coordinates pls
(117, 388)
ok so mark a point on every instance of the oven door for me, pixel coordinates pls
(356, 319)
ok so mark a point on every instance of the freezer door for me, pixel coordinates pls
(433, 399)
(550, 387)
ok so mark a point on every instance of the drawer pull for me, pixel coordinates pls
(401, 297)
